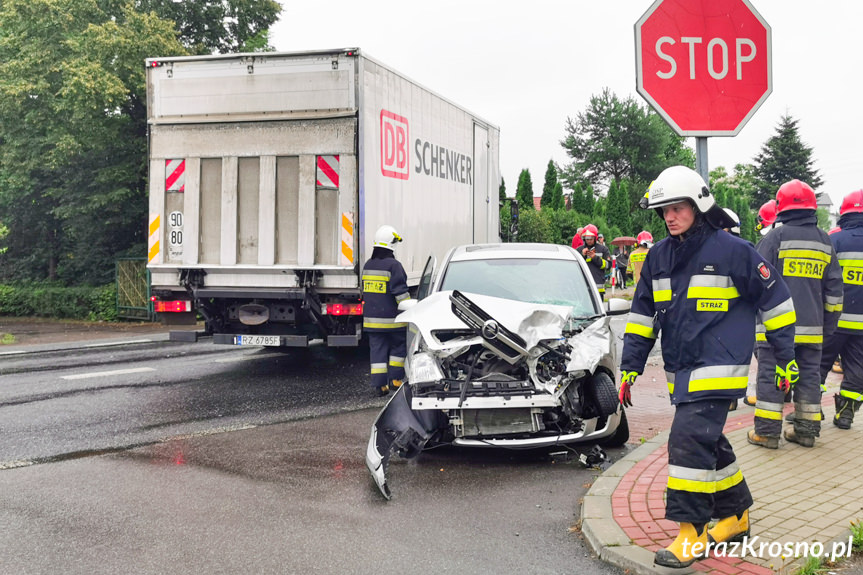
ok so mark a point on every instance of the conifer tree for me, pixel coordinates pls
(524, 191)
(557, 197)
(783, 157)
(547, 199)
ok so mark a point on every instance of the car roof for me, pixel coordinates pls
(506, 251)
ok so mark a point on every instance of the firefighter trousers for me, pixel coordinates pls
(704, 481)
(806, 394)
(850, 347)
(387, 356)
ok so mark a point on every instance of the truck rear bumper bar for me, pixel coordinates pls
(299, 340)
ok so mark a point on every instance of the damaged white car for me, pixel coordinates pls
(509, 347)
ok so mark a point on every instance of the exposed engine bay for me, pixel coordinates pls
(491, 372)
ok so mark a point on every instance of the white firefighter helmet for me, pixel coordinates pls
(678, 184)
(387, 237)
(736, 228)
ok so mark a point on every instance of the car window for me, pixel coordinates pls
(543, 281)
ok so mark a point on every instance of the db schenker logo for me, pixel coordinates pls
(394, 145)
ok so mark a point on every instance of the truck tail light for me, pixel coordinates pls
(344, 309)
(172, 306)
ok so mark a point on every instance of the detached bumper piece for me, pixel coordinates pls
(398, 429)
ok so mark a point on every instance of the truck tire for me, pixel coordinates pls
(620, 436)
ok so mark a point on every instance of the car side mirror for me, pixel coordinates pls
(618, 306)
(405, 305)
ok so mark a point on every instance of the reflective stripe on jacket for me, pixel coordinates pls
(636, 261)
(384, 284)
(701, 295)
(803, 254)
(848, 243)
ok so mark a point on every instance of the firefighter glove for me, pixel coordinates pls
(627, 379)
(787, 377)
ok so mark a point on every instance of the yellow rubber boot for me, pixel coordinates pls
(689, 547)
(395, 384)
(768, 441)
(732, 528)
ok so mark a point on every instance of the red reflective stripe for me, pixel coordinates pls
(175, 175)
(328, 170)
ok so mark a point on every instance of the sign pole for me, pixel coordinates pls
(701, 158)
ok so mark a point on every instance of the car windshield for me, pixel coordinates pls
(541, 281)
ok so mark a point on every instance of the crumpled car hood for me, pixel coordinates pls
(533, 322)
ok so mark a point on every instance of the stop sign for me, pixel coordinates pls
(704, 65)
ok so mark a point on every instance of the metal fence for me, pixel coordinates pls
(133, 289)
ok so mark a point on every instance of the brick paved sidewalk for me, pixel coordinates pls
(800, 494)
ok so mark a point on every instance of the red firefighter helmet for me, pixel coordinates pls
(589, 231)
(766, 215)
(852, 203)
(795, 195)
(834, 230)
(644, 238)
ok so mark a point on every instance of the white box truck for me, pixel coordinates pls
(270, 172)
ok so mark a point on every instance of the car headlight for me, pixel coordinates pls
(424, 368)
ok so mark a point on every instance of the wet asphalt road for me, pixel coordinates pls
(195, 458)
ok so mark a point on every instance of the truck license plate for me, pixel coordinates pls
(272, 340)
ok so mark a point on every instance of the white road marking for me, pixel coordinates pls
(110, 343)
(16, 464)
(243, 358)
(107, 373)
(12, 352)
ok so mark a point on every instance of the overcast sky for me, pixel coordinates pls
(527, 66)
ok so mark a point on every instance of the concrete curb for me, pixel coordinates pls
(613, 545)
(602, 532)
(16, 351)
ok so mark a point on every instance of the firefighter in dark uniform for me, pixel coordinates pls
(847, 340)
(805, 258)
(596, 255)
(384, 287)
(701, 288)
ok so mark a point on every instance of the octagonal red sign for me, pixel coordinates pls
(704, 65)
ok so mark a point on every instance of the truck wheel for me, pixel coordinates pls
(620, 436)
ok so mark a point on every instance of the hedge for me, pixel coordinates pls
(87, 303)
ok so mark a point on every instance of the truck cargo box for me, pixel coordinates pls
(270, 172)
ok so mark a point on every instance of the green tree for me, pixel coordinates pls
(736, 192)
(614, 139)
(547, 199)
(216, 26)
(534, 226)
(558, 202)
(619, 206)
(502, 190)
(73, 129)
(783, 157)
(524, 191)
(506, 222)
(583, 198)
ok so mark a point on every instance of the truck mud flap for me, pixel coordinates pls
(398, 428)
(189, 336)
(346, 340)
